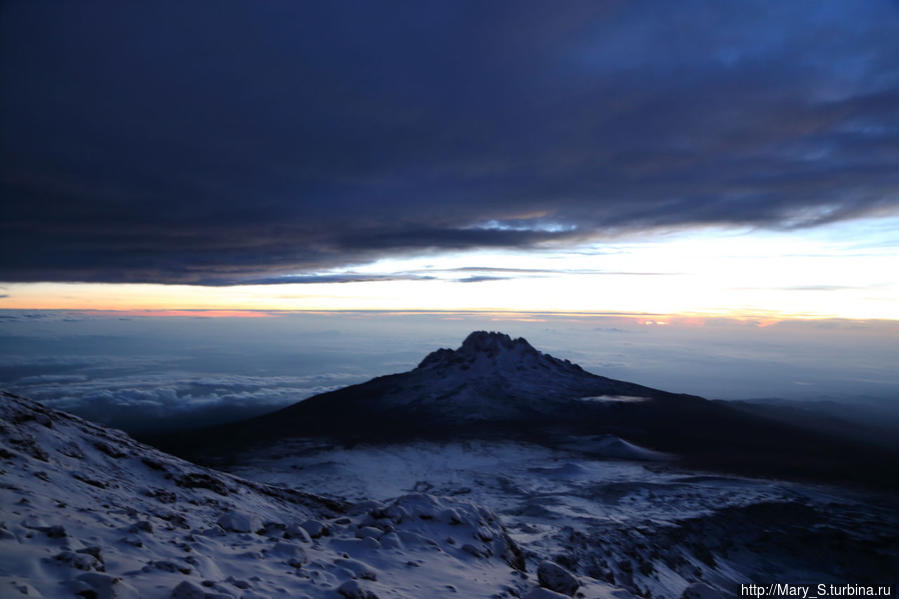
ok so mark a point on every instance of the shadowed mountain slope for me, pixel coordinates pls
(495, 386)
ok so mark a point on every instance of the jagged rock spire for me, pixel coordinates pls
(492, 342)
(493, 351)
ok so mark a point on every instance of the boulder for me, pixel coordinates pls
(314, 528)
(240, 522)
(554, 577)
(351, 589)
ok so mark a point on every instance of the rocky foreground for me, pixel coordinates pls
(86, 511)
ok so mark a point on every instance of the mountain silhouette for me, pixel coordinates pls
(494, 386)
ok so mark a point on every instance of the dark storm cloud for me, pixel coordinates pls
(480, 279)
(222, 142)
(346, 277)
(502, 274)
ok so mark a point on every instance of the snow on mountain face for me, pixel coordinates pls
(87, 511)
(493, 376)
(484, 355)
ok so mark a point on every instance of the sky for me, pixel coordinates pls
(211, 209)
(735, 159)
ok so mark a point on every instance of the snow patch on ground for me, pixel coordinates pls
(87, 511)
(647, 527)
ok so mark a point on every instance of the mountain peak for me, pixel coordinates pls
(492, 342)
(485, 352)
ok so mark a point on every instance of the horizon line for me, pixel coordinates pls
(652, 318)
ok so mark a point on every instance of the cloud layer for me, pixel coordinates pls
(218, 144)
(172, 400)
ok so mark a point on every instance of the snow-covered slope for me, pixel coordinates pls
(492, 375)
(87, 511)
(657, 532)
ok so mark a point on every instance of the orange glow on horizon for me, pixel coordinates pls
(505, 300)
(758, 277)
(243, 306)
(190, 313)
(691, 320)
